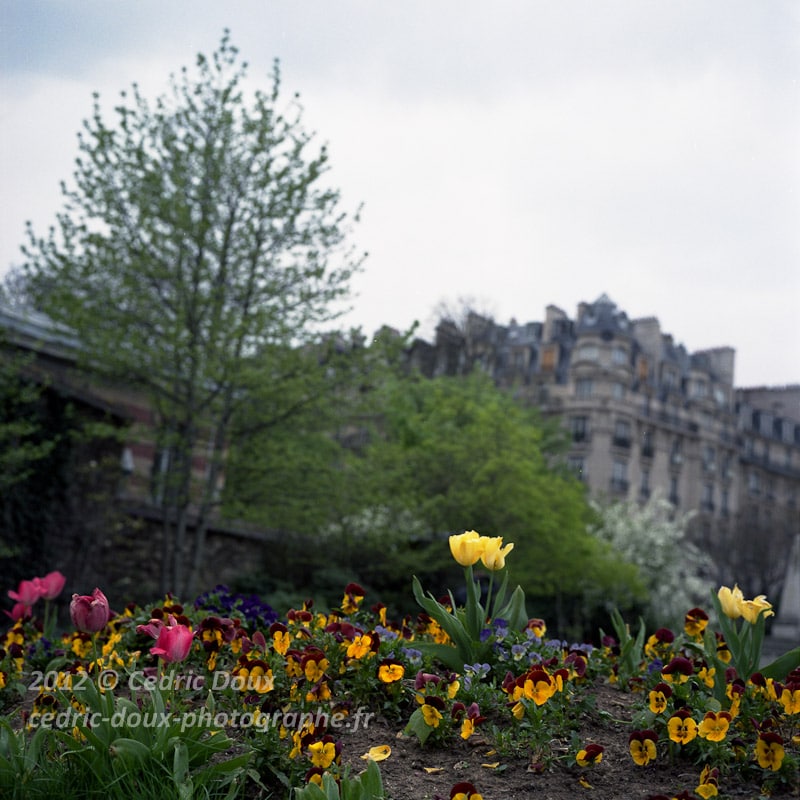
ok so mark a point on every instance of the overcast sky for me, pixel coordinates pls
(517, 153)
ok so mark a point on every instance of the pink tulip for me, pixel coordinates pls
(28, 592)
(51, 585)
(152, 629)
(174, 642)
(89, 613)
(20, 611)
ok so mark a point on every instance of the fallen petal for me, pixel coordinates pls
(378, 753)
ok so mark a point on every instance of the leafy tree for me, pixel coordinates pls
(197, 238)
(59, 472)
(295, 477)
(22, 443)
(676, 574)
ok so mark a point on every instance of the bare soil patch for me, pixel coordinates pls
(616, 777)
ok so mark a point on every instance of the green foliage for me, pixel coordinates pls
(289, 468)
(24, 442)
(465, 455)
(465, 625)
(59, 467)
(196, 239)
(117, 745)
(631, 649)
(366, 786)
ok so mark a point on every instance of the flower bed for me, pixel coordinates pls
(225, 699)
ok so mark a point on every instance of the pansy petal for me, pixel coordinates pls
(433, 770)
(378, 753)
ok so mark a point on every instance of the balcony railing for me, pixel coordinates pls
(621, 441)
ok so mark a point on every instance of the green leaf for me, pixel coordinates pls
(180, 763)
(129, 752)
(372, 781)
(418, 726)
(475, 615)
(451, 625)
(782, 666)
(310, 792)
(447, 654)
(514, 612)
(499, 605)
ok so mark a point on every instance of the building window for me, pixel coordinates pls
(709, 458)
(618, 390)
(723, 503)
(707, 503)
(583, 388)
(647, 443)
(676, 454)
(754, 483)
(619, 355)
(673, 491)
(644, 486)
(579, 428)
(622, 433)
(577, 466)
(699, 389)
(619, 476)
(549, 358)
(587, 352)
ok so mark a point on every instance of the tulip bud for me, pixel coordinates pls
(51, 585)
(494, 554)
(731, 601)
(174, 642)
(28, 592)
(89, 613)
(467, 547)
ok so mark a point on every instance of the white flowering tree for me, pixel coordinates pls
(675, 572)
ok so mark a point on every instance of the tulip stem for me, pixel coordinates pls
(488, 614)
(94, 652)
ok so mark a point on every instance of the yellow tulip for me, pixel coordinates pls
(494, 554)
(752, 608)
(467, 548)
(731, 601)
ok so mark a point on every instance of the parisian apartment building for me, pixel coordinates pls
(645, 415)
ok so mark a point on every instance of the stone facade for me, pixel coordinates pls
(646, 415)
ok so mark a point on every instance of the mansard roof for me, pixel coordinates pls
(604, 319)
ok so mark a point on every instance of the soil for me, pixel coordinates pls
(616, 777)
